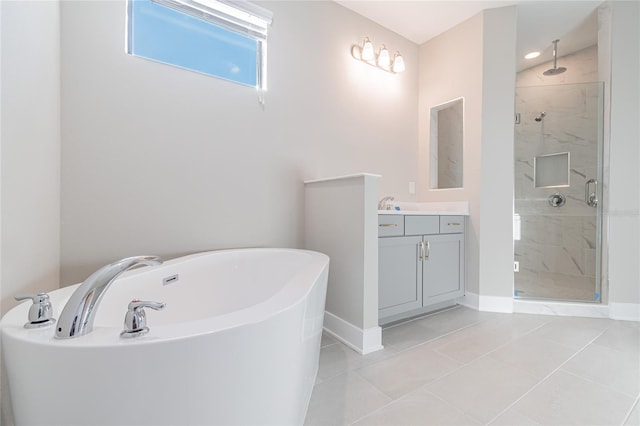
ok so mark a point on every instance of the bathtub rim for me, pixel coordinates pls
(289, 296)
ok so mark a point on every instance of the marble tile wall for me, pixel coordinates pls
(557, 245)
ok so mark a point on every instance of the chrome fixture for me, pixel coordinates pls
(40, 312)
(135, 320)
(591, 198)
(540, 116)
(557, 200)
(78, 314)
(383, 204)
(424, 251)
(555, 70)
(381, 60)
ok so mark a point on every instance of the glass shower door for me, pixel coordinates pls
(558, 192)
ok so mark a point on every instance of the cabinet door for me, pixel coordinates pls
(443, 270)
(399, 275)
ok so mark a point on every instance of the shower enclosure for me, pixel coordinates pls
(558, 192)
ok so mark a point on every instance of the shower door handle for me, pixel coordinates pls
(591, 198)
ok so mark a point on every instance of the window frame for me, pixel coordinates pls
(239, 16)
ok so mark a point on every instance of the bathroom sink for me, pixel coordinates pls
(434, 208)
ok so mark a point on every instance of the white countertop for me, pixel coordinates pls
(433, 208)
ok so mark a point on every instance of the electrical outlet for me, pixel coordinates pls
(516, 266)
(412, 188)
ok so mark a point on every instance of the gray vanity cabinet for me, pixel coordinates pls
(420, 263)
(443, 269)
(399, 275)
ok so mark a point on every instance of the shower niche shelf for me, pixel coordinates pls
(551, 170)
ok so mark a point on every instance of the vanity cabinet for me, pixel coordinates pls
(420, 263)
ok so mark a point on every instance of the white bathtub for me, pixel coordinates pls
(238, 343)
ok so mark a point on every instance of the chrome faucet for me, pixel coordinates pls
(383, 205)
(78, 314)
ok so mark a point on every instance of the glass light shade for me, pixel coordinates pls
(398, 63)
(383, 58)
(367, 50)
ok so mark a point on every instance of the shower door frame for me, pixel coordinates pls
(599, 216)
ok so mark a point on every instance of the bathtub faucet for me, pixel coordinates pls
(78, 314)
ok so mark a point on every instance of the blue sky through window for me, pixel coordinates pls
(165, 35)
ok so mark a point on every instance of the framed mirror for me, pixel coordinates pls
(446, 145)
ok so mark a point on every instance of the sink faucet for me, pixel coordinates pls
(382, 205)
(78, 314)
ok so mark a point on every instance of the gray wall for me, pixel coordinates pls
(164, 161)
(624, 152)
(471, 62)
(30, 152)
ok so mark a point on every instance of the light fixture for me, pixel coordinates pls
(367, 50)
(398, 63)
(382, 60)
(532, 55)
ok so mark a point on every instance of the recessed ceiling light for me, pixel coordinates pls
(532, 55)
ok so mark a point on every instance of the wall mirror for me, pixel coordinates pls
(446, 145)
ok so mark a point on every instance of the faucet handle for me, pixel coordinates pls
(40, 312)
(135, 320)
(134, 305)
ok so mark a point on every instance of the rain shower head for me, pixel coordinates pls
(555, 70)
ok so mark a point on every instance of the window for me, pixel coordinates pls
(222, 38)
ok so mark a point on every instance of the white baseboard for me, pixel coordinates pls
(362, 341)
(625, 311)
(470, 300)
(617, 311)
(569, 309)
(487, 303)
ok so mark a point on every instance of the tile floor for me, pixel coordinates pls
(462, 367)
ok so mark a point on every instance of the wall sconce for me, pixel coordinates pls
(382, 59)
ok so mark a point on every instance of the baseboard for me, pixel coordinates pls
(625, 311)
(470, 300)
(569, 309)
(617, 311)
(487, 303)
(362, 341)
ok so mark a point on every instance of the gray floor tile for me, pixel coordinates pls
(512, 417)
(623, 336)
(327, 340)
(565, 399)
(484, 388)
(572, 332)
(417, 408)
(465, 367)
(534, 355)
(408, 370)
(610, 367)
(342, 400)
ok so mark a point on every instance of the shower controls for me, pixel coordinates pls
(557, 200)
(591, 198)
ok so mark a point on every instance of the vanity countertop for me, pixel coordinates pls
(458, 208)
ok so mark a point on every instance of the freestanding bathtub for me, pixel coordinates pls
(237, 343)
